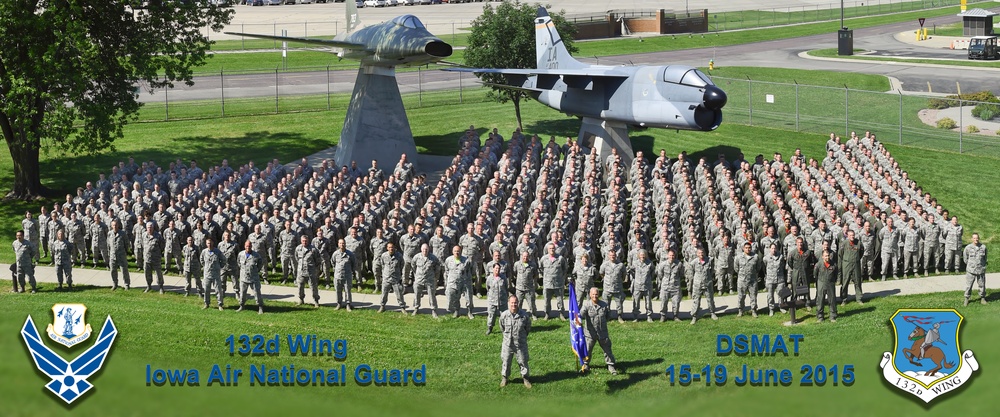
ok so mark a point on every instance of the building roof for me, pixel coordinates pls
(977, 13)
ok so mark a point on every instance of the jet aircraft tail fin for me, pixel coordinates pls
(353, 21)
(550, 51)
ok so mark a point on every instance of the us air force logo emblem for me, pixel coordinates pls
(926, 360)
(69, 378)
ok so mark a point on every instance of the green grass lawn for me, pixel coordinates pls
(172, 332)
(832, 53)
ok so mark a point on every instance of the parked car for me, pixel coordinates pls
(407, 2)
(359, 3)
(374, 3)
(274, 2)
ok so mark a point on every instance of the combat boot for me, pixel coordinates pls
(260, 310)
(982, 300)
(611, 368)
(527, 384)
(966, 303)
(503, 382)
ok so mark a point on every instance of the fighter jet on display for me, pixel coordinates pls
(401, 41)
(376, 126)
(611, 98)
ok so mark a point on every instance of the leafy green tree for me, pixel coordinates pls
(70, 70)
(504, 37)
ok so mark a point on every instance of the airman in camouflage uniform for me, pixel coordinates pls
(553, 268)
(496, 291)
(426, 269)
(307, 260)
(586, 274)
(974, 256)
(24, 255)
(526, 281)
(343, 262)
(669, 275)
(62, 257)
(212, 261)
(392, 276)
(117, 254)
(774, 275)
(595, 313)
(613, 276)
(702, 285)
(458, 270)
(192, 266)
(152, 257)
(515, 325)
(230, 249)
(250, 265)
(747, 268)
(642, 285)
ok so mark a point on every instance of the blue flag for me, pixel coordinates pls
(576, 338)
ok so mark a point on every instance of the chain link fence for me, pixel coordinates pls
(913, 120)
(233, 93)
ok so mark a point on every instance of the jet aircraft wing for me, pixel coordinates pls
(314, 41)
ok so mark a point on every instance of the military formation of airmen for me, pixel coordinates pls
(516, 217)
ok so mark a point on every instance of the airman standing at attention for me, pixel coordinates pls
(62, 257)
(702, 285)
(642, 285)
(595, 313)
(975, 268)
(426, 268)
(774, 275)
(211, 262)
(343, 262)
(117, 254)
(392, 276)
(747, 267)
(496, 290)
(669, 275)
(525, 280)
(250, 266)
(307, 262)
(613, 275)
(515, 325)
(553, 268)
(826, 281)
(152, 257)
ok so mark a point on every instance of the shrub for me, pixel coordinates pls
(946, 123)
(952, 100)
(972, 129)
(986, 111)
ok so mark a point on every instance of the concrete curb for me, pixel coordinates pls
(805, 55)
(725, 304)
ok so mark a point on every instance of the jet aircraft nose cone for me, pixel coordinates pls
(438, 49)
(715, 98)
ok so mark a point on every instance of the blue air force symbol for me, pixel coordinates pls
(926, 360)
(69, 378)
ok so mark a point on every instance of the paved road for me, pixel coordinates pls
(101, 278)
(779, 53)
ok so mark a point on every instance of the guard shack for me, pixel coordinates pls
(977, 22)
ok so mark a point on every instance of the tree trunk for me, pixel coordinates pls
(27, 183)
(517, 110)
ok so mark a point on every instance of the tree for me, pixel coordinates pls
(69, 70)
(505, 38)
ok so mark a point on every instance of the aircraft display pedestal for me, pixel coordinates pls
(605, 135)
(376, 126)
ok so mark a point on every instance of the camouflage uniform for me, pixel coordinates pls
(343, 262)
(426, 269)
(212, 261)
(975, 270)
(669, 275)
(307, 262)
(118, 258)
(192, 267)
(250, 266)
(613, 275)
(553, 281)
(392, 276)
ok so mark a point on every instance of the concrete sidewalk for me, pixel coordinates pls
(46, 279)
